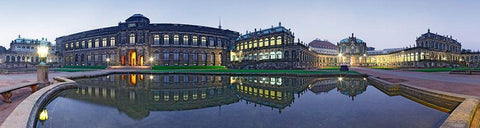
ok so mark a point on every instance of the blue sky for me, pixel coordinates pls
(380, 23)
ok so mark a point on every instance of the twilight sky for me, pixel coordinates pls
(380, 23)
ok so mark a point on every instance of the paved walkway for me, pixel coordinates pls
(455, 83)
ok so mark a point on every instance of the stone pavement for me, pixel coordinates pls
(454, 83)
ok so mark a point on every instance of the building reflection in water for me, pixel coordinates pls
(185, 92)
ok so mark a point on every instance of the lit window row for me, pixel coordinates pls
(186, 40)
(88, 44)
(259, 43)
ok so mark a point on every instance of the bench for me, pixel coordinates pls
(7, 91)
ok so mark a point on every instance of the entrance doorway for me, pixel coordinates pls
(133, 58)
(123, 60)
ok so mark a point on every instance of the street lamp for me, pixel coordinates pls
(42, 68)
(42, 53)
(108, 61)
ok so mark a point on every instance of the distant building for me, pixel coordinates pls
(370, 49)
(352, 51)
(323, 47)
(23, 52)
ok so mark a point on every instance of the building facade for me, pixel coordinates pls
(23, 53)
(137, 42)
(273, 48)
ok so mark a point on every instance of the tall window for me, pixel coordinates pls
(71, 46)
(279, 40)
(104, 42)
(204, 41)
(185, 40)
(272, 41)
(272, 55)
(250, 44)
(97, 42)
(175, 39)
(279, 55)
(175, 55)
(156, 39)
(260, 43)
(255, 44)
(266, 42)
(166, 55)
(204, 57)
(212, 41)
(83, 44)
(195, 41)
(112, 41)
(66, 45)
(89, 43)
(77, 45)
(245, 45)
(166, 39)
(185, 55)
(132, 38)
(219, 43)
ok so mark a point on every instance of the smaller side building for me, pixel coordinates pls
(23, 53)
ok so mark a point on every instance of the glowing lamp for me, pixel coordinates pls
(43, 115)
(108, 59)
(340, 78)
(151, 59)
(42, 53)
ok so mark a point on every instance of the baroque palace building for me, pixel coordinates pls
(23, 53)
(137, 42)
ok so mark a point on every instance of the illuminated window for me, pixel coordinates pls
(77, 45)
(204, 41)
(245, 45)
(175, 39)
(195, 41)
(279, 55)
(66, 46)
(272, 41)
(279, 40)
(255, 44)
(266, 42)
(132, 38)
(250, 44)
(272, 55)
(97, 42)
(185, 40)
(104, 42)
(83, 44)
(166, 39)
(112, 41)
(260, 44)
(156, 39)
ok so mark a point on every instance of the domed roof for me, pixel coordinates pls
(138, 18)
(322, 44)
(346, 40)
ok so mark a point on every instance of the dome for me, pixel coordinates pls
(138, 18)
(322, 44)
(347, 40)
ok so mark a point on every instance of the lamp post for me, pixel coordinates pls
(42, 67)
(108, 62)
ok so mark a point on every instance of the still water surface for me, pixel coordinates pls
(130, 100)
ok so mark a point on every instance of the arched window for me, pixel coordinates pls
(77, 45)
(260, 56)
(166, 39)
(266, 42)
(66, 46)
(132, 38)
(175, 39)
(195, 56)
(245, 45)
(156, 39)
(279, 40)
(204, 41)
(250, 44)
(272, 55)
(71, 46)
(266, 56)
(112, 41)
(195, 41)
(185, 40)
(97, 43)
(204, 56)
(260, 43)
(286, 54)
(255, 44)
(272, 41)
(104, 42)
(7, 59)
(89, 43)
(279, 55)
(83, 44)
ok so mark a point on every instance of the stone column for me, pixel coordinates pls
(42, 74)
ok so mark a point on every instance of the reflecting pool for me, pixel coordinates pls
(180, 100)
